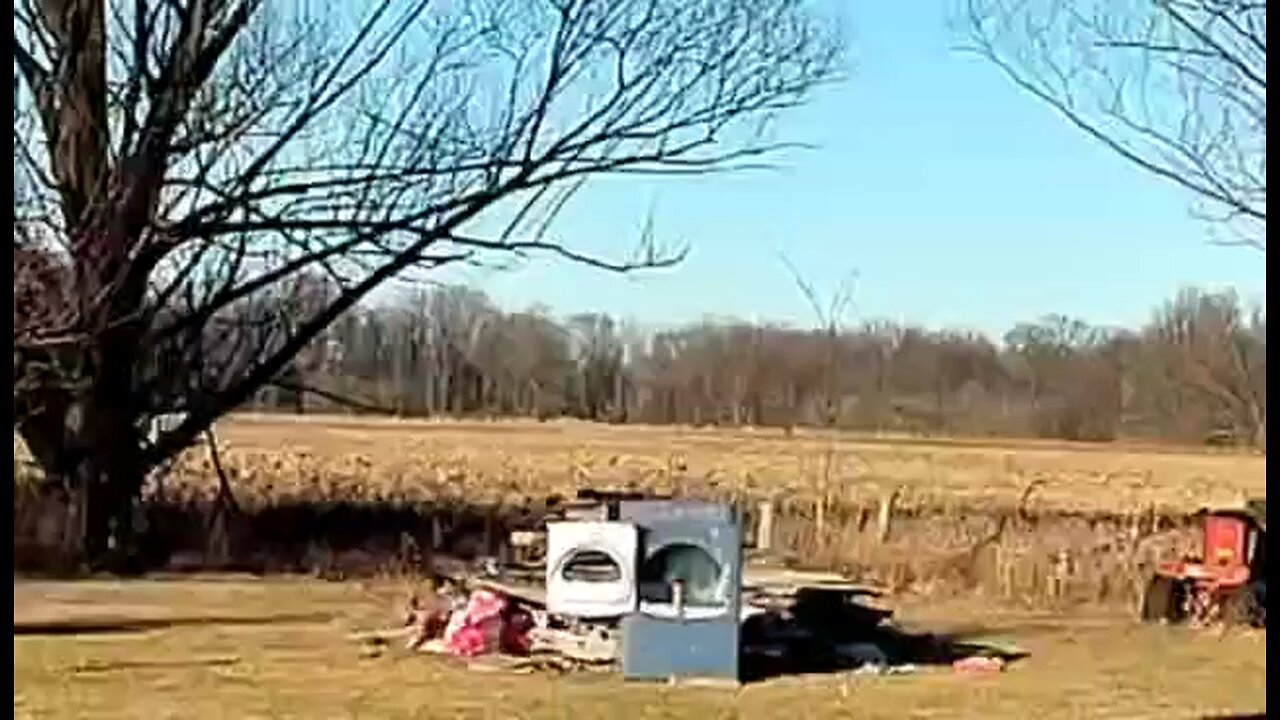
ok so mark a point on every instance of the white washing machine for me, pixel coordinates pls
(591, 568)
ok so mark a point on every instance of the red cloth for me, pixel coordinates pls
(488, 624)
(516, 625)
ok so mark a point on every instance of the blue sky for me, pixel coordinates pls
(959, 200)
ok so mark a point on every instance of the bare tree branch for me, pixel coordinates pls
(209, 161)
(1177, 88)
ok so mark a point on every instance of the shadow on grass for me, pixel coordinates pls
(333, 538)
(118, 625)
(125, 665)
(893, 648)
(828, 632)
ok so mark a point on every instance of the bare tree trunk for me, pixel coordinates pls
(1259, 434)
(113, 470)
(101, 481)
(619, 395)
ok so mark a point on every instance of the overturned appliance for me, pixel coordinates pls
(687, 621)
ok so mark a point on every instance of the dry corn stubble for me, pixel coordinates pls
(347, 458)
(950, 495)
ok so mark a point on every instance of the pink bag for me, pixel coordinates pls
(978, 665)
(488, 624)
(477, 628)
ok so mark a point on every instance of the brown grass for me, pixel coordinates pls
(1092, 519)
(252, 649)
(277, 648)
(512, 460)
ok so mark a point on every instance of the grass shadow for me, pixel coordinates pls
(830, 633)
(124, 625)
(893, 648)
(126, 665)
(335, 538)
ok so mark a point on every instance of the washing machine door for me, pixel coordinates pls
(591, 568)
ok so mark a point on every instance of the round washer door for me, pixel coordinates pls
(591, 568)
(703, 579)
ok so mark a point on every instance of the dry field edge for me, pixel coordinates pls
(515, 460)
(278, 647)
(341, 495)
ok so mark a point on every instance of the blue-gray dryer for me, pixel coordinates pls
(688, 618)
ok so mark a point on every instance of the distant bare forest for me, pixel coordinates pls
(1195, 372)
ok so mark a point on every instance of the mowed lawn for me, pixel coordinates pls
(243, 648)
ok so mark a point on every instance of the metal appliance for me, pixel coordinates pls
(687, 620)
(591, 568)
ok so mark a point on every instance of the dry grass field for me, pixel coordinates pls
(227, 647)
(513, 460)
(232, 648)
(1090, 519)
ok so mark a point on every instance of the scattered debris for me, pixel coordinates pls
(487, 624)
(426, 619)
(593, 645)
(495, 616)
(500, 626)
(527, 665)
(978, 665)
(703, 682)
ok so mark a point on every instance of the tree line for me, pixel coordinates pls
(1194, 372)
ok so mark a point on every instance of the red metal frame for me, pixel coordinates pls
(1226, 554)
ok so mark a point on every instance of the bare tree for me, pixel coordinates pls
(599, 353)
(1210, 347)
(1195, 372)
(830, 317)
(182, 159)
(1177, 87)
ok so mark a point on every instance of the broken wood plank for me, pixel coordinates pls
(790, 581)
(770, 580)
(502, 663)
(528, 594)
(764, 530)
(381, 635)
(587, 647)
